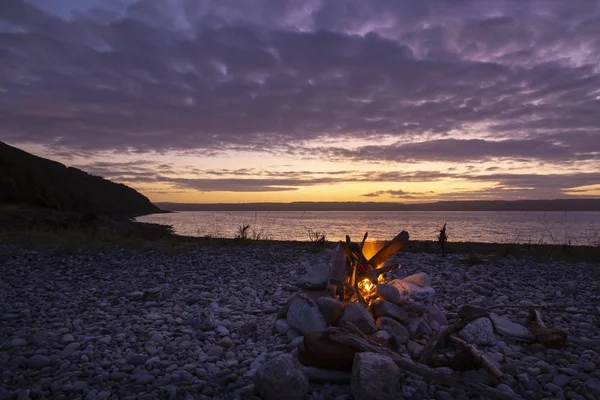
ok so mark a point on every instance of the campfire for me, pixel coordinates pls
(357, 269)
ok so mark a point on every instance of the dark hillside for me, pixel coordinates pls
(30, 180)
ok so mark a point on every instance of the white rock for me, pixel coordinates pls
(420, 279)
(506, 327)
(405, 291)
(479, 331)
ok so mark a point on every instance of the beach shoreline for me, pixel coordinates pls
(78, 323)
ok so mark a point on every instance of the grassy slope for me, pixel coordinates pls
(26, 179)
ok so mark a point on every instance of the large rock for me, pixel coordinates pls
(399, 292)
(382, 308)
(395, 329)
(479, 331)
(506, 327)
(389, 293)
(315, 276)
(418, 327)
(281, 379)
(304, 315)
(282, 326)
(375, 377)
(327, 375)
(358, 315)
(330, 308)
(436, 316)
(420, 279)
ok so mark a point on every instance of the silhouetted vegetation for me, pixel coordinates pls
(243, 231)
(318, 237)
(26, 179)
(442, 239)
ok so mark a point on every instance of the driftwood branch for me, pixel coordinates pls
(545, 308)
(478, 356)
(440, 337)
(335, 348)
(549, 337)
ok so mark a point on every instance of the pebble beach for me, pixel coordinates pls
(198, 323)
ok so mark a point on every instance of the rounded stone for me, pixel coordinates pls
(18, 342)
(38, 361)
(215, 351)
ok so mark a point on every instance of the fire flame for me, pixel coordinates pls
(366, 286)
(368, 290)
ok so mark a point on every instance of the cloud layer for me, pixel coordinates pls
(458, 82)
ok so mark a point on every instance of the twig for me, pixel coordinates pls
(440, 337)
(478, 356)
(549, 337)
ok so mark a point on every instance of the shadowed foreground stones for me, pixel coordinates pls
(375, 377)
(281, 379)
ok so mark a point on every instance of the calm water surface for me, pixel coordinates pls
(581, 228)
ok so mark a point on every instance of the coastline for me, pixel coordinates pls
(79, 322)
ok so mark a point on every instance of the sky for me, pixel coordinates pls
(320, 100)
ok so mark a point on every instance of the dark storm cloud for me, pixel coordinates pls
(153, 75)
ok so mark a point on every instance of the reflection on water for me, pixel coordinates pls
(581, 228)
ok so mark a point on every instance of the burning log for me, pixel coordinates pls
(335, 348)
(374, 273)
(549, 337)
(356, 270)
(391, 248)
